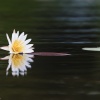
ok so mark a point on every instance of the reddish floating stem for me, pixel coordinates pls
(50, 54)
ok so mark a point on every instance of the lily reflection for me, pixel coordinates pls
(18, 63)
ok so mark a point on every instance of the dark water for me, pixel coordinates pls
(54, 26)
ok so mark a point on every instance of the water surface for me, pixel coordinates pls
(54, 26)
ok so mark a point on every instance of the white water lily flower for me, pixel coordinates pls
(18, 43)
(92, 49)
(18, 63)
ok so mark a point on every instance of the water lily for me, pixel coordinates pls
(92, 49)
(18, 43)
(18, 63)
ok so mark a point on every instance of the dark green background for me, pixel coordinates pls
(54, 26)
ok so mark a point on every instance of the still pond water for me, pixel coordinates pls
(54, 26)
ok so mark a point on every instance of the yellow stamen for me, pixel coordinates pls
(17, 60)
(17, 46)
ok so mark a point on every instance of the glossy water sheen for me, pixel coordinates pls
(55, 26)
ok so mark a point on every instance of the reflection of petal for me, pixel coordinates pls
(18, 63)
(15, 73)
(30, 60)
(23, 73)
(5, 58)
(8, 67)
(6, 73)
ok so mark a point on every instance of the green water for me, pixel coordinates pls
(54, 26)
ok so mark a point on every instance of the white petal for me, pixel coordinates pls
(13, 34)
(8, 39)
(28, 55)
(29, 46)
(10, 48)
(28, 51)
(5, 48)
(21, 36)
(31, 56)
(92, 49)
(17, 34)
(24, 38)
(14, 31)
(27, 41)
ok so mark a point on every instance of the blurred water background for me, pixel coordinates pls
(54, 26)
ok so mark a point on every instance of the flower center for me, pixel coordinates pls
(17, 60)
(17, 46)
